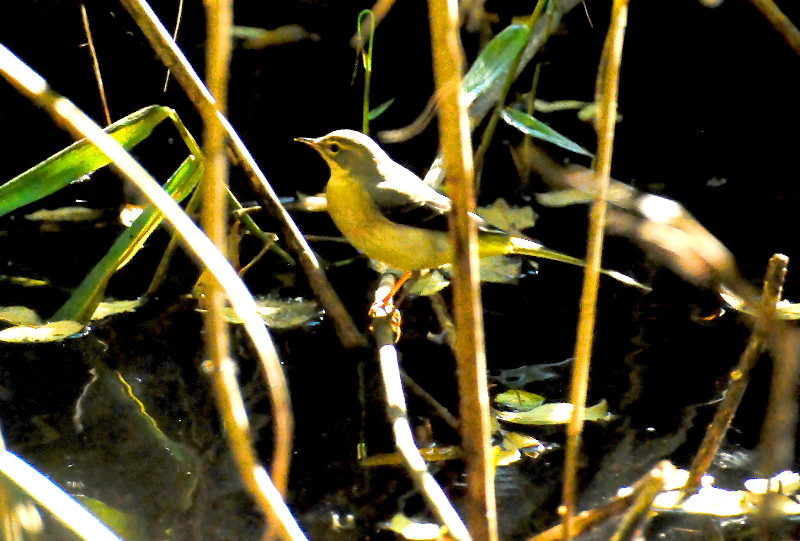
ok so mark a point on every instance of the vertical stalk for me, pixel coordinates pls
(606, 98)
(448, 62)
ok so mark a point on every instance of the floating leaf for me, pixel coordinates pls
(49, 332)
(515, 440)
(707, 501)
(506, 217)
(710, 500)
(505, 457)
(495, 60)
(24, 281)
(519, 400)
(786, 482)
(514, 446)
(110, 308)
(64, 214)
(281, 313)
(429, 454)
(413, 530)
(500, 269)
(19, 315)
(554, 414)
(260, 38)
(380, 109)
(536, 128)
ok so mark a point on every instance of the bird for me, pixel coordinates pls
(391, 215)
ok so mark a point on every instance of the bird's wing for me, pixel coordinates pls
(405, 199)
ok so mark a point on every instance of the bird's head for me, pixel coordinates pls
(348, 152)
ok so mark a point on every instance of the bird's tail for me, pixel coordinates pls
(523, 246)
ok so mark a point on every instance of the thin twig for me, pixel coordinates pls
(739, 377)
(454, 135)
(606, 98)
(445, 321)
(79, 125)
(398, 415)
(637, 514)
(418, 390)
(379, 10)
(174, 59)
(178, 19)
(780, 22)
(98, 76)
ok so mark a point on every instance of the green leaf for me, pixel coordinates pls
(536, 128)
(379, 110)
(85, 298)
(495, 60)
(77, 160)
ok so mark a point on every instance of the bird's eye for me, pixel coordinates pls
(334, 148)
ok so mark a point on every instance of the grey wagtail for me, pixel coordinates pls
(388, 213)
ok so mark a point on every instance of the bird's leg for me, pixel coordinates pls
(387, 304)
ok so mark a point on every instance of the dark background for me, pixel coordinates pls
(710, 113)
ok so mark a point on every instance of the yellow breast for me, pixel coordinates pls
(366, 228)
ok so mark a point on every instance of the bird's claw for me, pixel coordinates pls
(386, 308)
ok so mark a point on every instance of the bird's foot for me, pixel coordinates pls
(386, 308)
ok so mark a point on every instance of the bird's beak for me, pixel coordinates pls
(307, 140)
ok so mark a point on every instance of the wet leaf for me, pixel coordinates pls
(64, 214)
(55, 331)
(710, 500)
(707, 501)
(281, 313)
(19, 315)
(519, 400)
(523, 442)
(786, 482)
(260, 38)
(538, 129)
(429, 454)
(554, 414)
(500, 269)
(506, 217)
(505, 457)
(110, 308)
(24, 281)
(414, 530)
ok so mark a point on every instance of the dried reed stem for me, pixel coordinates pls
(606, 99)
(454, 134)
